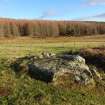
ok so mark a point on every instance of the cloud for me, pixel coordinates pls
(100, 17)
(47, 14)
(95, 2)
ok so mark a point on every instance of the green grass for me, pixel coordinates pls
(27, 91)
(16, 47)
(16, 50)
(23, 90)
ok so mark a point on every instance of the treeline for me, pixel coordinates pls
(10, 28)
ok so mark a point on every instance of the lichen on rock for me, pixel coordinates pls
(56, 68)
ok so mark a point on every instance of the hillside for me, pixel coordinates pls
(44, 28)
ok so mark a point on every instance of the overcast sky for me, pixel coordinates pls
(53, 9)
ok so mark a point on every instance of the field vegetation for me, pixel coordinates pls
(21, 46)
(16, 89)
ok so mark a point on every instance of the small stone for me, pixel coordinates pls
(45, 54)
(52, 54)
(96, 73)
(77, 78)
(79, 59)
(41, 56)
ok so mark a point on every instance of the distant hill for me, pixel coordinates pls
(45, 28)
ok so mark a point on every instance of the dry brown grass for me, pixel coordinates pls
(97, 38)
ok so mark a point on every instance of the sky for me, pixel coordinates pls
(53, 9)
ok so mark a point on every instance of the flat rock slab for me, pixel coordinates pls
(51, 68)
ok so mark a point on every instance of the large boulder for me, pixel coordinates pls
(56, 69)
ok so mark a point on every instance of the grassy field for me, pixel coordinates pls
(23, 90)
(21, 46)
